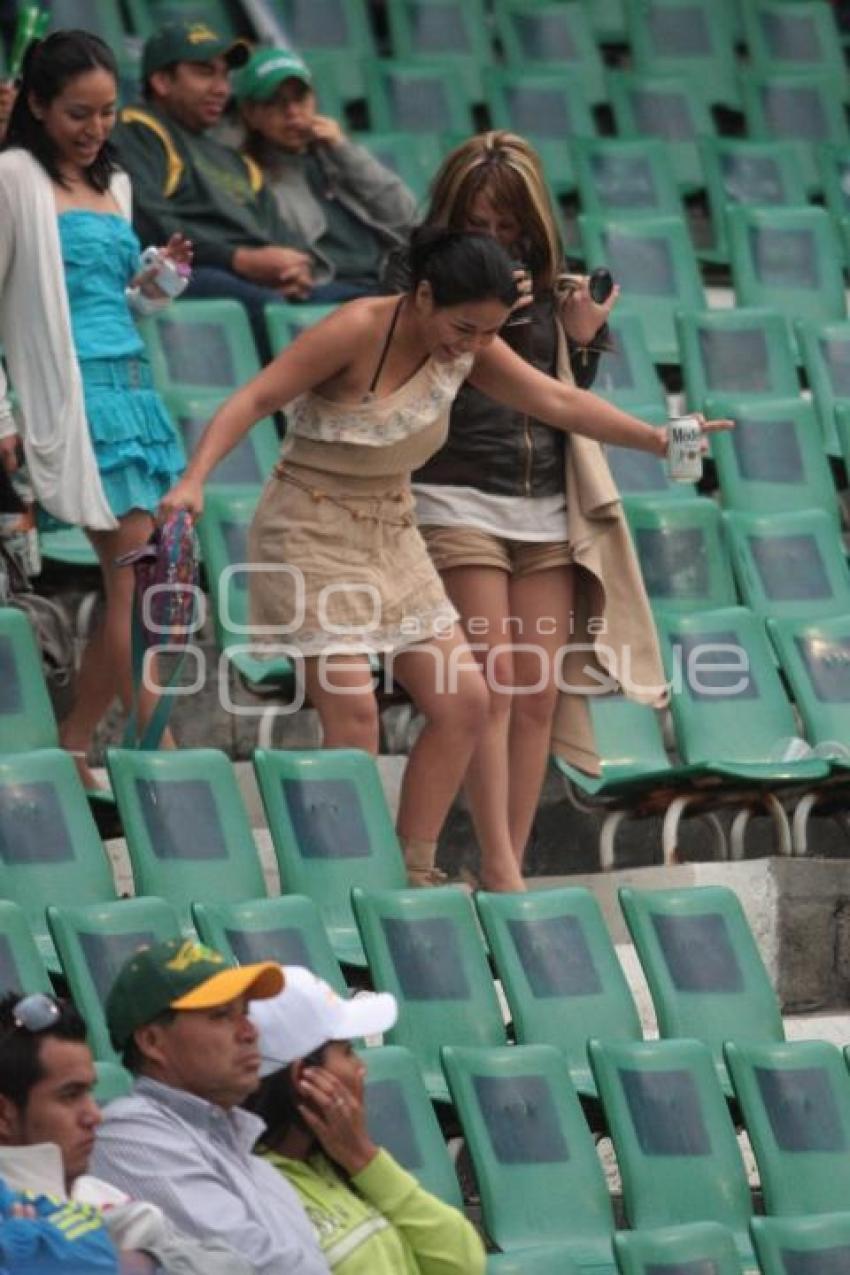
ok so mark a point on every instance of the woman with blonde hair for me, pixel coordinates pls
(492, 504)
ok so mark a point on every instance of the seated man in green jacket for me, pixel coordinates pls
(185, 180)
(370, 1215)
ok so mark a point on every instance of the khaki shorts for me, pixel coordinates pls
(468, 547)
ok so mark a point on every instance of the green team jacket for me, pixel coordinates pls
(192, 183)
(381, 1221)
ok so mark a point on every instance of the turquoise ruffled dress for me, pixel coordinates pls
(135, 443)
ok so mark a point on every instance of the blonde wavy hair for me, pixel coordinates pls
(508, 170)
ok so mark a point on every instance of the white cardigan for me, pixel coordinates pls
(35, 331)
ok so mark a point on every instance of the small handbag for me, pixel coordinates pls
(166, 571)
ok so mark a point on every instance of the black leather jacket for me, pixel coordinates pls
(497, 449)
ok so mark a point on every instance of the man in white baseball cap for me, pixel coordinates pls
(371, 1216)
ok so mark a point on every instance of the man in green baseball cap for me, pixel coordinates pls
(191, 42)
(347, 208)
(178, 1013)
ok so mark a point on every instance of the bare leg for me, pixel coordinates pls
(542, 602)
(340, 688)
(105, 670)
(482, 593)
(445, 683)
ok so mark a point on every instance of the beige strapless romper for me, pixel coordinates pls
(348, 571)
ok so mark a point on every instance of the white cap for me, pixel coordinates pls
(308, 1013)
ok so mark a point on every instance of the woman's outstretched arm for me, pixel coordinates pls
(504, 376)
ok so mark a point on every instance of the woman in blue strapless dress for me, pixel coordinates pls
(128, 454)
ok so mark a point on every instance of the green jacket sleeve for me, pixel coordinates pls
(156, 215)
(442, 1240)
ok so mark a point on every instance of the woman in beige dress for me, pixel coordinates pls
(368, 393)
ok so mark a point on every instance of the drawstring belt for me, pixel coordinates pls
(317, 494)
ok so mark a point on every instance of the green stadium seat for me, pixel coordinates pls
(26, 713)
(548, 109)
(705, 973)
(704, 1247)
(791, 566)
(284, 320)
(150, 15)
(834, 168)
(101, 17)
(223, 536)
(688, 38)
(456, 29)
(625, 177)
(640, 475)
(49, 845)
(113, 1081)
(626, 375)
(799, 107)
(337, 32)
(424, 946)
(795, 1101)
(414, 157)
(201, 345)
(251, 460)
(546, 1259)
(673, 1136)
(682, 553)
(731, 714)
(93, 943)
(736, 352)
(400, 1117)
(741, 170)
(800, 36)
(535, 1160)
(664, 107)
(787, 259)
(653, 260)
(792, 1245)
(288, 930)
(22, 967)
(188, 834)
(773, 461)
(417, 95)
(331, 830)
(825, 350)
(607, 20)
(551, 35)
(559, 972)
(69, 546)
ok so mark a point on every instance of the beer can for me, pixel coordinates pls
(684, 449)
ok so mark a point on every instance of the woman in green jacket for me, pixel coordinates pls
(371, 1216)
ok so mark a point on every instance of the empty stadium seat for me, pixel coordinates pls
(815, 659)
(706, 1247)
(331, 830)
(446, 28)
(417, 95)
(545, 1259)
(188, 834)
(336, 31)
(288, 930)
(682, 553)
(674, 1138)
(424, 946)
(825, 350)
(685, 37)
(791, 37)
(792, 1245)
(113, 1081)
(787, 259)
(560, 973)
(640, 475)
(545, 107)
(250, 461)
(834, 168)
(791, 566)
(625, 177)
(704, 970)
(535, 1160)
(795, 1101)
(737, 352)
(400, 1117)
(201, 345)
(49, 845)
(284, 320)
(556, 36)
(415, 157)
(800, 107)
(653, 260)
(26, 713)
(744, 170)
(773, 461)
(626, 375)
(665, 107)
(93, 943)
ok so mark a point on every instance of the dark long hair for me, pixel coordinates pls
(49, 65)
(276, 1101)
(460, 266)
